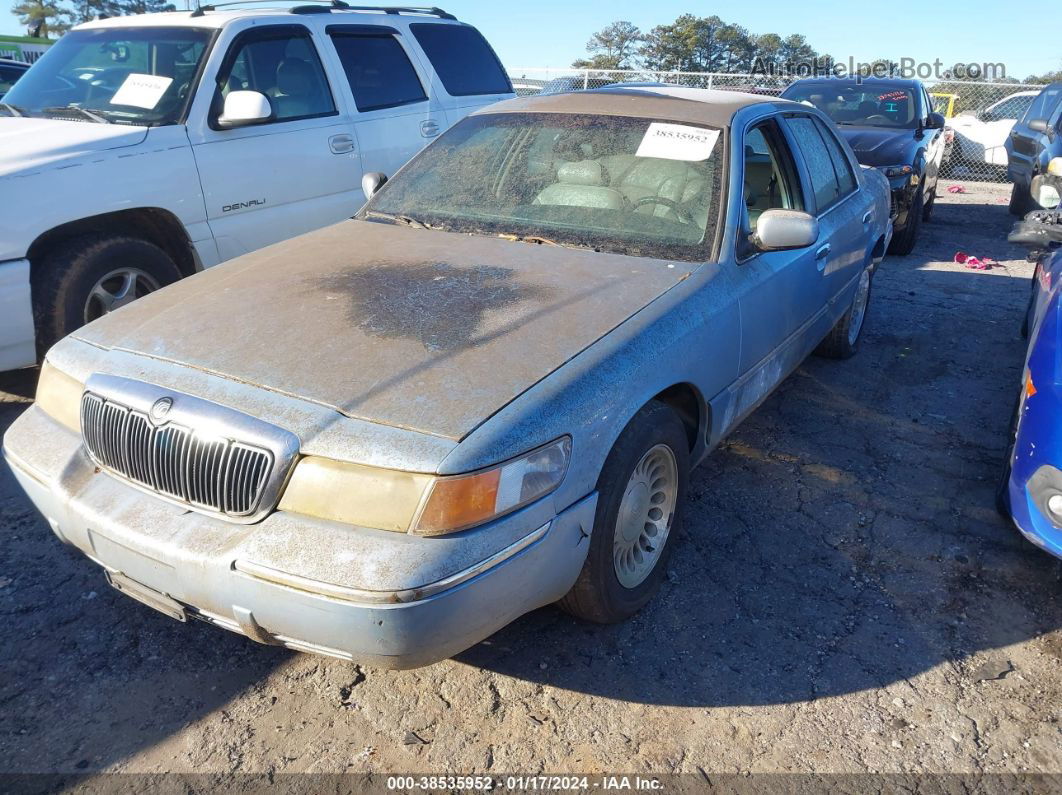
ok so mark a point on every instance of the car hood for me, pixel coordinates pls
(27, 144)
(877, 146)
(416, 329)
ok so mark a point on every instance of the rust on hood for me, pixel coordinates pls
(418, 329)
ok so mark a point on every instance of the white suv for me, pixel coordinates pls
(142, 149)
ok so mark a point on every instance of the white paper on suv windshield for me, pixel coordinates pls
(677, 142)
(141, 91)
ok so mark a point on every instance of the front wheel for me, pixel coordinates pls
(843, 339)
(641, 491)
(87, 277)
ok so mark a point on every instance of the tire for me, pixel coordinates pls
(598, 594)
(904, 243)
(843, 340)
(1003, 484)
(63, 282)
(1020, 201)
(927, 210)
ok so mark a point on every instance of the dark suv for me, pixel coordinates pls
(1033, 141)
(891, 126)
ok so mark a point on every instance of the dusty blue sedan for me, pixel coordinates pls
(387, 439)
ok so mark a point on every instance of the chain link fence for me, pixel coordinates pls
(979, 114)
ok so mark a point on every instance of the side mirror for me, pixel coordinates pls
(1039, 125)
(935, 121)
(372, 182)
(779, 230)
(243, 108)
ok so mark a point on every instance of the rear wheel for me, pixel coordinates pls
(843, 339)
(641, 491)
(927, 210)
(87, 277)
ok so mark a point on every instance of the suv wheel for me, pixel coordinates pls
(641, 491)
(1020, 200)
(904, 242)
(88, 277)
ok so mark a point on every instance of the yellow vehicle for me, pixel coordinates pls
(947, 109)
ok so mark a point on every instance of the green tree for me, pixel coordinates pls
(84, 10)
(795, 50)
(689, 44)
(144, 6)
(48, 14)
(612, 47)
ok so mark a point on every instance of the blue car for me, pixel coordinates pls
(1030, 488)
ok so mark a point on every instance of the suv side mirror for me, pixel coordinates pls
(780, 230)
(1040, 126)
(243, 108)
(372, 182)
(935, 121)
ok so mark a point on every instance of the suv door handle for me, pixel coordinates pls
(867, 216)
(429, 128)
(341, 144)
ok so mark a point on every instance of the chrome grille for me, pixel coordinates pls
(218, 474)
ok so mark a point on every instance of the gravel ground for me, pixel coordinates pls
(844, 598)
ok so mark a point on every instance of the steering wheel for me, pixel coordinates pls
(683, 214)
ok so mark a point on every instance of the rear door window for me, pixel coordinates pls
(464, 61)
(846, 181)
(378, 70)
(818, 160)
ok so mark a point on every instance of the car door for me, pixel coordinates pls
(297, 172)
(843, 211)
(1027, 145)
(780, 290)
(394, 116)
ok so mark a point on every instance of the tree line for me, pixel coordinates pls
(710, 44)
(49, 18)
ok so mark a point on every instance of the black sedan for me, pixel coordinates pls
(890, 125)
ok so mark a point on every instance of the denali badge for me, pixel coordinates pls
(161, 409)
(228, 208)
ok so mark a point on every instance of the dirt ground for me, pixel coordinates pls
(843, 598)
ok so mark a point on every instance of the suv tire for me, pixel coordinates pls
(64, 281)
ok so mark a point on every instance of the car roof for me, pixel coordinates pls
(714, 107)
(208, 17)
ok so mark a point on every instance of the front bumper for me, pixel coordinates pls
(386, 599)
(18, 347)
(1029, 512)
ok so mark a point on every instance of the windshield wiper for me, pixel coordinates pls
(542, 241)
(88, 114)
(14, 111)
(402, 219)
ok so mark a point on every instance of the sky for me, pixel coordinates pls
(554, 33)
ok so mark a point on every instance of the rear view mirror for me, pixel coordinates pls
(243, 108)
(372, 182)
(778, 230)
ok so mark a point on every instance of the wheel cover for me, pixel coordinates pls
(643, 521)
(859, 307)
(116, 289)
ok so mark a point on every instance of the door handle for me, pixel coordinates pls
(820, 255)
(866, 217)
(429, 128)
(341, 144)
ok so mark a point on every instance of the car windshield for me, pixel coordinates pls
(120, 75)
(608, 183)
(867, 104)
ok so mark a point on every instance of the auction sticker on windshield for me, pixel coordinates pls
(677, 142)
(141, 91)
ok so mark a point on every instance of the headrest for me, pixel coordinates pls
(294, 77)
(585, 172)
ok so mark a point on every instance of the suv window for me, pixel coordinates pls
(8, 76)
(819, 161)
(842, 167)
(1044, 104)
(378, 70)
(282, 63)
(465, 62)
(770, 181)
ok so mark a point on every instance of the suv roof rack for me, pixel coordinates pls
(330, 5)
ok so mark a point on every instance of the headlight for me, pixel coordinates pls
(895, 171)
(59, 396)
(418, 503)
